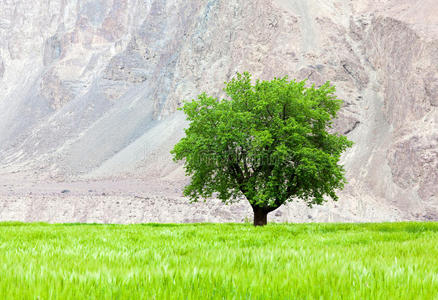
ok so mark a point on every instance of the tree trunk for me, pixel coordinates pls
(260, 216)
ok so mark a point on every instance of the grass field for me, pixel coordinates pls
(219, 261)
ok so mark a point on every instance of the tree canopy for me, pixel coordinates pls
(267, 142)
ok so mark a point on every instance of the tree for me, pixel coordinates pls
(267, 142)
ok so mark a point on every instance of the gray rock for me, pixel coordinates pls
(2, 68)
(92, 87)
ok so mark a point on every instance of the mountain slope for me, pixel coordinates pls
(89, 89)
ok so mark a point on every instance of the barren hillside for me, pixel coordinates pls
(89, 91)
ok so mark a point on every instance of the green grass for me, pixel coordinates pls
(219, 261)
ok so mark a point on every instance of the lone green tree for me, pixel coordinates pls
(267, 142)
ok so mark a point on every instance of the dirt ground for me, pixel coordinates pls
(135, 200)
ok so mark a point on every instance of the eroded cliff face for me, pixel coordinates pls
(90, 88)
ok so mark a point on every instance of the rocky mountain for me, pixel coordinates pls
(89, 89)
